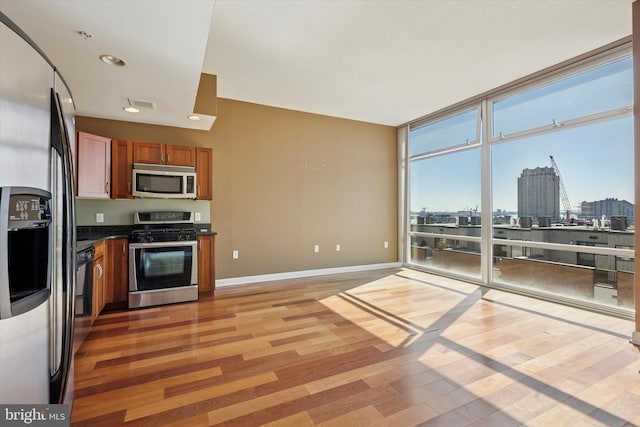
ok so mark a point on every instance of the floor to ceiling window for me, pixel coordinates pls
(444, 186)
(556, 155)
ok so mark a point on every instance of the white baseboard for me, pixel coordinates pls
(303, 273)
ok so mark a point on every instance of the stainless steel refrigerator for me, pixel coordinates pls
(37, 224)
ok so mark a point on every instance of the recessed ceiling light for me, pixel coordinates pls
(131, 110)
(194, 117)
(112, 60)
(85, 34)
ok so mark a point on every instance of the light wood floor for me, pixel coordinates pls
(389, 348)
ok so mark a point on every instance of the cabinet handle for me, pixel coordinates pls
(129, 187)
(106, 187)
(168, 158)
(162, 156)
(198, 189)
(99, 267)
(123, 250)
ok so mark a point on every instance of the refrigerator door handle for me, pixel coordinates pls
(61, 146)
(5, 293)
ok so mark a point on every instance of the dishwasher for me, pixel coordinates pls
(84, 292)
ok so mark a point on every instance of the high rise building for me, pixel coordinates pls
(608, 207)
(539, 193)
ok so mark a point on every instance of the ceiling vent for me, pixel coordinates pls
(141, 104)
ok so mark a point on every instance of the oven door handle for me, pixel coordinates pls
(181, 243)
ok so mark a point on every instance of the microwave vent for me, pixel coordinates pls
(141, 104)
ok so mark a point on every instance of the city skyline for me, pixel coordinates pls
(595, 163)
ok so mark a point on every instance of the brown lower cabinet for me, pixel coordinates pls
(117, 269)
(98, 297)
(206, 264)
(110, 274)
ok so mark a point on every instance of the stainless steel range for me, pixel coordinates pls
(163, 259)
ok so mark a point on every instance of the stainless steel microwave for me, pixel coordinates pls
(164, 182)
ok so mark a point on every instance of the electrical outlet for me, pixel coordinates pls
(386, 244)
(338, 247)
(99, 217)
(197, 216)
(235, 254)
(316, 248)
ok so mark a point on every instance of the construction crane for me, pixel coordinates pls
(563, 192)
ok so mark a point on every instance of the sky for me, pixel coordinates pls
(595, 160)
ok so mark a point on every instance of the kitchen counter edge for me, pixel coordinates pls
(88, 236)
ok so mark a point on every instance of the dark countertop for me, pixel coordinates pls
(85, 244)
(88, 236)
(81, 245)
(84, 233)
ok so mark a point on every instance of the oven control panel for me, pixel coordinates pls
(167, 235)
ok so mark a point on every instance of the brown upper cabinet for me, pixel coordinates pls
(94, 166)
(163, 154)
(105, 167)
(204, 169)
(121, 169)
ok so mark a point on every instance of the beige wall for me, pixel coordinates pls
(285, 181)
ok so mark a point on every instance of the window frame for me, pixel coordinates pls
(452, 148)
(486, 141)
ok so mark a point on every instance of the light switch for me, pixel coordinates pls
(99, 217)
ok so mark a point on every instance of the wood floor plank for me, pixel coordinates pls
(411, 416)
(138, 394)
(255, 404)
(362, 417)
(144, 409)
(301, 419)
(391, 347)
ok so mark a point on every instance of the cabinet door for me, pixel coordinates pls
(148, 152)
(117, 265)
(180, 155)
(121, 169)
(94, 166)
(204, 169)
(206, 264)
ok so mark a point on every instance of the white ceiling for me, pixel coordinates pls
(380, 61)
